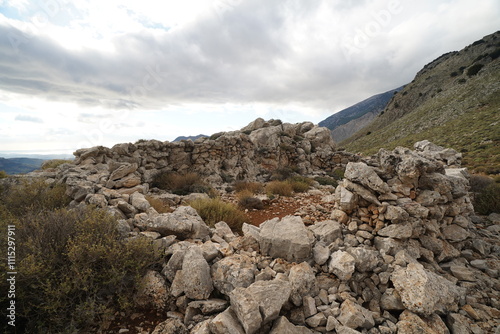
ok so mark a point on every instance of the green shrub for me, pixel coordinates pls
(488, 200)
(300, 184)
(474, 69)
(74, 270)
(326, 181)
(253, 187)
(283, 173)
(214, 210)
(246, 200)
(180, 184)
(282, 188)
(34, 195)
(55, 163)
(3, 175)
(495, 54)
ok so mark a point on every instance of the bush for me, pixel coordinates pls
(246, 200)
(300, 184)
(326, 181)
(479, 182)
(55, 163)
(74, 270)
(495, 54)
(253, 187)
(214, 210)
(3, 175)
(180, 184)
(35, 196)
(474, 69)
(283, 173)
(488, 200)
(159, 205)
(281, 188)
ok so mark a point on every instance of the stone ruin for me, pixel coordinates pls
(400, 254)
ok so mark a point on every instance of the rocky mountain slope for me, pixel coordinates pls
(453, 101)
(346, 122)
(401, 250)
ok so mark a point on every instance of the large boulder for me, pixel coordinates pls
(424, 292)
(184, 223)
(287, 238)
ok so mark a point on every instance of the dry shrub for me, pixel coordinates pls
(214, 210)
(180, 184)
(159, 205)
(246, 200)
(326, 181)
(3, 174)
(74, 270)
(300, 184)
(253, 187)
(488, 199)
(281, 188)
(34, 195)
(479, 182)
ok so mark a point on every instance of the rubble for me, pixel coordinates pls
(400, 253)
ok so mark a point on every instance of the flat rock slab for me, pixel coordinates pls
(287, 238)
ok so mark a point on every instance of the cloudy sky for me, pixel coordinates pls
(82, 73)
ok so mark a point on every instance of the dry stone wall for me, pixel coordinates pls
(400, 254)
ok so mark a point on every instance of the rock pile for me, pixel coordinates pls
(400, 254)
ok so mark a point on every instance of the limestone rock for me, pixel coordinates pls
(361, 173)
(287, 238)
(424, 292)
(302, 280)
(410, 323)
(184, 223)
(326, 231)
(232, 272)
(123, 171)
(139, 201)
(355, 316)
(282, 326)
(226, 322)
(153, 292)
(171, 326)
(342, 264)
(196, 272)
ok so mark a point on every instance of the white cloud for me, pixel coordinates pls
(25, 118)
(93, 62)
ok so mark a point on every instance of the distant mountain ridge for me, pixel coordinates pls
(193, 138)
(348, 121)
(454, 101)
(20, 165)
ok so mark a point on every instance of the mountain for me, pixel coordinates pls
(347, 121)
(454, 101)
(20, 165)
(193, 138)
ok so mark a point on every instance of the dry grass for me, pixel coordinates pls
(214, 210)
(180, 184)
(252, 187)
(282, 188)
(246, 200)
(159, 205)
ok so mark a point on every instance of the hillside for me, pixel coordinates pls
(453, 101)
(20, 165)
(348, 121)
(193, 138)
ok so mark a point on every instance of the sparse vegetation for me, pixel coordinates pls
(54, 163)
(282, 188)
(326, 181)
(488, 200)
(72, 267)
(300, 184)
(180, 184)
(474, 69)
(246, 200)
(252, 187)
(3, 175)
(159, 205)
(214, 210)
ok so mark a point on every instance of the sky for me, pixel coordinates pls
(81, 73)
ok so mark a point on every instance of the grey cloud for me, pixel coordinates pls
(245, 54)
(26, 118)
